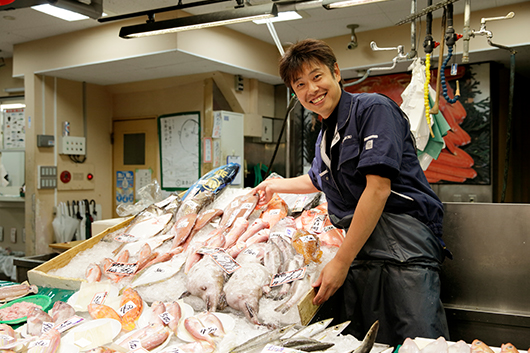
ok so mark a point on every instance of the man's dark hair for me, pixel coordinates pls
(304, 52)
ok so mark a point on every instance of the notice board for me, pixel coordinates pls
(180, 152)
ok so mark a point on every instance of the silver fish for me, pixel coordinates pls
(312, 329)
(369, 340)
(262, 339)
(331, 332)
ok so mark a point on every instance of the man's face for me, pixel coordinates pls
(317, 88)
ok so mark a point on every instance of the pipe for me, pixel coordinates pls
(467, 31)
(508, 124)
(412, 53)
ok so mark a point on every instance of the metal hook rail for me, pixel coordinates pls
(400, 56)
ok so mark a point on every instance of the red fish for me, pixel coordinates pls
(478, 346)
(206, 216)
(173, 308)
(132, 299)
(183, 229)
(101, 311)
(275, 210)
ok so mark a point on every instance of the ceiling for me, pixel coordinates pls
(22, 25)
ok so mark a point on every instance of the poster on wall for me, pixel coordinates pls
(124, 187)
(466, 157)
(180, 150)
(14, 129)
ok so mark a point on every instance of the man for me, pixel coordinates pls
(365, 162)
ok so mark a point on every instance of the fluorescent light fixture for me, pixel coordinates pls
(188, 23)
(14, 90)
(12, 106)
(59, 12)
(282, 16)
(347, 3)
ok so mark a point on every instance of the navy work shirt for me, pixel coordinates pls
(371, 136)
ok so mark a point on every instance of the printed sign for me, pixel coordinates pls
(123, 269)
(287, 277)
(124, 187)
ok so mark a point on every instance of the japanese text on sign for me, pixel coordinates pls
(286, 277)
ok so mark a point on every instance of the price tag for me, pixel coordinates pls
(126, 238)
(318, 223)
(250, 251)
(307, 238)
(125, 308)
(227, 263)
(208, 330)
(272, 348)
(99, 298)
(39, 343)
(182, 224)
(289, 232)
(160, 270)
(287, 277)
(247, 206)
(68, 324)
(6, 338)
(299, 204)
(206, 250)
(274, 212)
(46, 326)
(328, 228)
(166, 317)
(275, 234)
(173, 350)
(123, 269)
(134, 344)
(234, 204)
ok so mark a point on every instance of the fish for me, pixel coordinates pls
(331, 332)
(273, 258)
(330, 235)
(212, 323)
(195, 347)
(206, 216)
(144, 256)
(508, 348)
(196, 328)
(174, 309)
(295, 263)
(409, 346)
(214, 181)
(247, 205)
(149, 227)
(160, 258)
(195, 203)
(313, 346)
(477, 346)
(308, 245)
(260, 237)
(252, 229)
(150, 337)
(157, 308)
(458, 347)
(93, 273)
(244, 289)
(102, 311)
(50, 340)
(16, 291)
(229, 210)
(252, 254)
(439, 345)
(158, 272)
(369, 339)
(298, 290)
(206, 280)
(61, 311)
(262, 340)
(101, 350)
(239, 227)
(312, 330)
(182, 229)
(275, 210)
(134, 303)
(36, 317)
(7, 330)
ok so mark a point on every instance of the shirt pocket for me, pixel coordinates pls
(349, 153)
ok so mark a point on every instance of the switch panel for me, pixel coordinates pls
(80, 177)
(47, 177)
(72, 145)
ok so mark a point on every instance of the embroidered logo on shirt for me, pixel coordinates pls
(370, 141)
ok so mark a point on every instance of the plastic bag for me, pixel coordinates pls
(148, 195)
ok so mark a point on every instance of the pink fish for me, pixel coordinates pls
(275, 210)
(61, 311)
(255, 227)
(157, 308)
(205, 217)
(182, 229)
(173, 308)
(36, 317)
(93, 273)
(239, 227)
(50, 342)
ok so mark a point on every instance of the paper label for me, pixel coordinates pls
(328, 228)
(123, 269)
(272, 348)
(307, 238)
(99, 298)
(182, 224)
(208, 330)
(173, 350)
(227, 263)
(299, 204)
(318, 223)
(166, 317)
(134, 344)
(68, 324)
(289, 232)
(274, 212)
(287, 277)
(125, 308)
(247, 205)
(39, 343)
(250, 251)
(46, 326)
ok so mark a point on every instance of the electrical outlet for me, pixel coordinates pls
(13, 235)
(1, 233)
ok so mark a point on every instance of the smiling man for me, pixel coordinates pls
(387, 268)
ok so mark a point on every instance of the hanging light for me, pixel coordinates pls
(334, 4)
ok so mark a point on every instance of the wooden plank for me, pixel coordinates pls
(39, 275)
(306, 309)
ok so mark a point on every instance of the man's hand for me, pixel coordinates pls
(330, 280)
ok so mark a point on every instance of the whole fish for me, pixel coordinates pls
(195, 203)
(246, 206)
(508, 348)
(331, 332)
(196, 328)
(194, 347)
(102, 311)
(157, 308)
(273, 258)
(205, 216)
(369, 339)
(212, 323)
(101, 350)
(61, 311)
(312, 330)
(261, 340)
(16, 291)
(478, 346)
(7, 330)
(149, 227)
(298, 290)
(158, 272)
(174, 309)
(36, 317)
(182, 229)
(214, 181)
(238, 228)
(459, 347)
(206, 280)
(409, 346)
(275, 210)
(134, 303)
(330, 235)
(93, 273)
(295, 263)
(245, 288)
(229, 210)
(253, 254)
(150, 337)
(252, 229)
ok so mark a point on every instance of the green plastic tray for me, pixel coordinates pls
(43, 300)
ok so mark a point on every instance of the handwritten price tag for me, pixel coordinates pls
(208, 330)
(289, 232)
(126, 308)
(328, 228)
(227, 263)
(47, 326)
(39, 343)
(272, 348)
(68, 324)
(99, 298)
(134, 344)
(173, 350)
(166, 317)
(318, 223)
(299, 204)
(123, 269)
(250, 251)
(286, 277)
